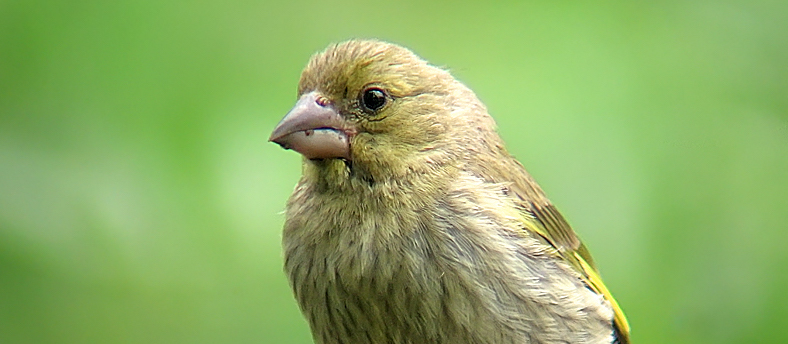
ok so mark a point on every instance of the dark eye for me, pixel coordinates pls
(374, 98)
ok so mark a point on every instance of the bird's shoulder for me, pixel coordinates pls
(540, 216)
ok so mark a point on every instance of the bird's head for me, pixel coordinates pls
(376, 111)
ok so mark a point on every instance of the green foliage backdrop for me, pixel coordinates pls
(141, 203)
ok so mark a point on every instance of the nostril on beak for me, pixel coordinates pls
(322, 101)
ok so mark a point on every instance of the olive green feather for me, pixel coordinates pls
(413, 224)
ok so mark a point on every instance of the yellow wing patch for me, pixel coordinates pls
(595, 282)
(577, 259)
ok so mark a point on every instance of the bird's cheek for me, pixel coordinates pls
(360, 145)
(372, 148)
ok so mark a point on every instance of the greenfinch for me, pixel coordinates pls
(413, 224)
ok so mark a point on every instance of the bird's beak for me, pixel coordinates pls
(313, 128)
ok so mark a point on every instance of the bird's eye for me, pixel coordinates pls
(374, 98)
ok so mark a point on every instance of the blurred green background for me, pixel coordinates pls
(141, 203)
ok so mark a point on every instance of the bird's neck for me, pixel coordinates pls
(422, 175)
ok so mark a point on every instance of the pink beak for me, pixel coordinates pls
(314, 129)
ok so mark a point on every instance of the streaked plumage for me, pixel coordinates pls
(412, 223)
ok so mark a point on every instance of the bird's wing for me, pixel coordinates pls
(543, 218)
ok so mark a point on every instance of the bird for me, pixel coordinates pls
(412, 223)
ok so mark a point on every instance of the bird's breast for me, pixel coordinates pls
(453, 271)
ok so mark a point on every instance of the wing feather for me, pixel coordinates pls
(545, 220)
